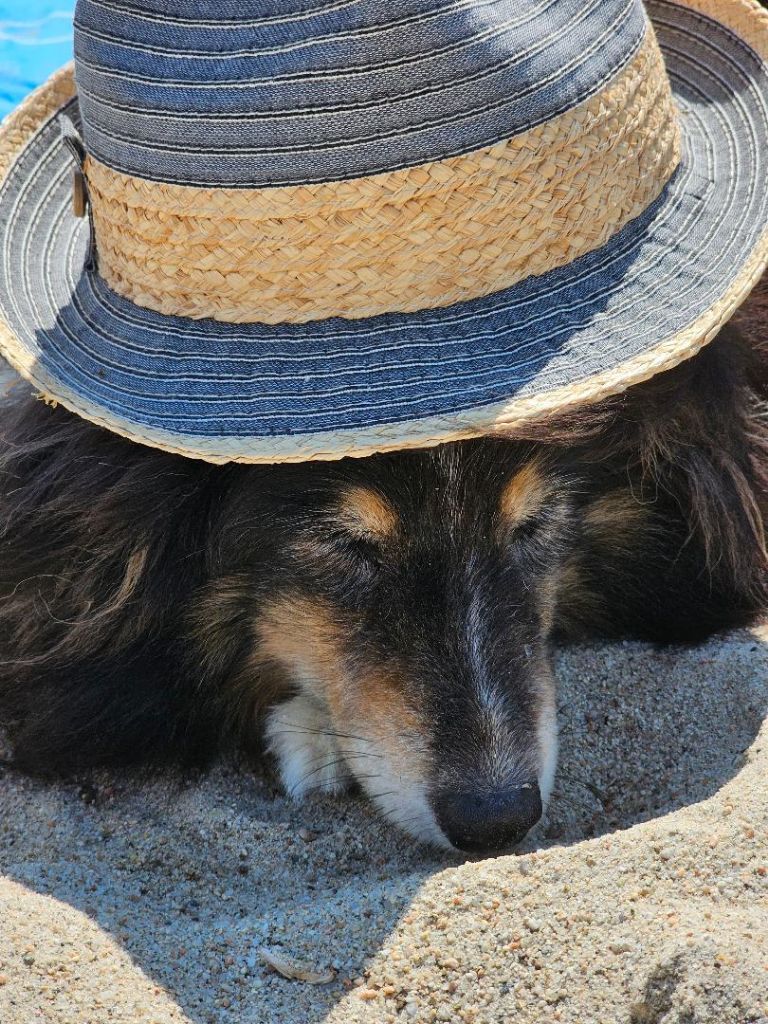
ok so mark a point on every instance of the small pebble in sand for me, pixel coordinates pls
(621, 946)
(296, 970)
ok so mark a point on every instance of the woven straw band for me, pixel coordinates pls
(402, 241)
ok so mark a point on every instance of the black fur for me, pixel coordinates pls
(131, 581)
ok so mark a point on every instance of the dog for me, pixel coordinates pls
(386, 622)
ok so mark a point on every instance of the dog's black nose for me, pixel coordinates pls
(488, 822)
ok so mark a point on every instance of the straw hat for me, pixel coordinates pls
(305, 229)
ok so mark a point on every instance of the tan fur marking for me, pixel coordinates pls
(575, 602)
(523, 494)
(367, 514)
(392, 718)
(615, 519)
(305, 638)
(614, 522)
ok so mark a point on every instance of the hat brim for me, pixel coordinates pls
(649, 299)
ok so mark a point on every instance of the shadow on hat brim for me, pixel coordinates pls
(650, 298)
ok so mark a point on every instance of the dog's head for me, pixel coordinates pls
(408, 609)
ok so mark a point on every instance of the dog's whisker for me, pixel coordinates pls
(317, 732)
(334, 734)
(324, 767)
(296, 788)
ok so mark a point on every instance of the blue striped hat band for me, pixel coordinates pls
(332, 228)
(288, 93)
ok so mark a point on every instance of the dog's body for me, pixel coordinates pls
(387, 620)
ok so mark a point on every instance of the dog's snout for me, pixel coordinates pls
(488, 822)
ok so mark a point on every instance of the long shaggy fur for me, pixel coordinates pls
(131, 581)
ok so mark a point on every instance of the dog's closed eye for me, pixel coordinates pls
(363, 549)
(530, 527)
(533, 509)
(358, 528)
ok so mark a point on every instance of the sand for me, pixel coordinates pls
(642, 898)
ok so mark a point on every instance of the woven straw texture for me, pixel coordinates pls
(23, 122)
(414, 239)
(744, 17)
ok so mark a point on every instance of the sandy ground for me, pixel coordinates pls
(642, 899)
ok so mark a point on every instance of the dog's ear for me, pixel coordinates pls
(699, 433)
(102, 545)
(675, 521)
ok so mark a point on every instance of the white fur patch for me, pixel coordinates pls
(312, 758)
(503, 757)
(398, 796)
(547, 736)
(300, 735)
(493, 714)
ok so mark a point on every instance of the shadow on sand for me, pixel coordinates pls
(191, 881)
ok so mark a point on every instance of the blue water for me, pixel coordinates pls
(35, 39)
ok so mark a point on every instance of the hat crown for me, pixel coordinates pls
(466, 294)
(250, 94)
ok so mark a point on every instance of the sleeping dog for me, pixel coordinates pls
(386, 621)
